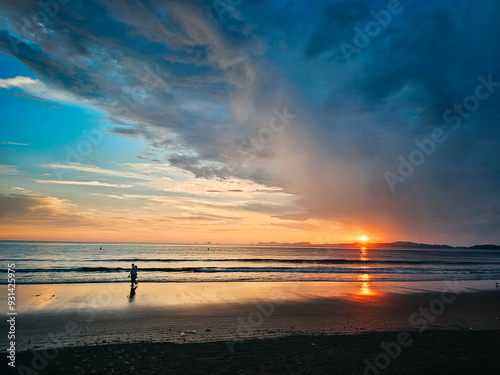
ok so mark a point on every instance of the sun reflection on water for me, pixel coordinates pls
(363, 256)
(365, 291)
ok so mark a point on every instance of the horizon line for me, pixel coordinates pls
(361, 243)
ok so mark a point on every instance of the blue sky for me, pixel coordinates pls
(181, 121)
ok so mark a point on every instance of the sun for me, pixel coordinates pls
(363, 238)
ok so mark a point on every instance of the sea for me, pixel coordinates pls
(72, 262)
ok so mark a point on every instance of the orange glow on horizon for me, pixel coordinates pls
(219, 217)
(147, 226)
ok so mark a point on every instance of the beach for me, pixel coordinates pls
(433, 352)
(251, 309)
(221, 326)
(298, 187)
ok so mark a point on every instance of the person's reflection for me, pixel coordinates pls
(131, 296)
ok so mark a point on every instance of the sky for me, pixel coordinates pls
(239, 121)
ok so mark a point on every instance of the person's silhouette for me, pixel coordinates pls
(133, 275)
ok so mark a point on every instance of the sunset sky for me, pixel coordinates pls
(239, 121)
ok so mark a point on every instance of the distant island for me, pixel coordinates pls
(386, 245)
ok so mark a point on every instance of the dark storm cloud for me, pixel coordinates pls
(364, 113)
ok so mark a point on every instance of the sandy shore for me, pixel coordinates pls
(228, 317)
(430, 352)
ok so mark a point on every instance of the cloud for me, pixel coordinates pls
(9, 170)
(21, 189)
(19, 82)
(19, 205)
(126, 131)
(39, 89)
(130, 67)
(203, 91)
(92, 169)
(40, 213)
(357, 118)
(14, 143)
(114, 196)
(34, 217)
(82, 183)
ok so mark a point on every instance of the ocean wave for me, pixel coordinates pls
(261, 270)
(270, 260)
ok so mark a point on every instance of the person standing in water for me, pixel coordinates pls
(133, 275)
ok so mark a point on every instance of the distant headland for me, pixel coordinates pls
(385, 245)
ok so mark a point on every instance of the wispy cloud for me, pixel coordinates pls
(21, 189)
(9, 170)
(38, 89)
(114, 196)
(14, 143)
(83, 183)
(95, 170)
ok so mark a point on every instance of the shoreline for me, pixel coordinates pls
(481, 281)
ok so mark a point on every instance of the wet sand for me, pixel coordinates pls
(227, 318)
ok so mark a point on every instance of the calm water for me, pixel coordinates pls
(85, 262)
